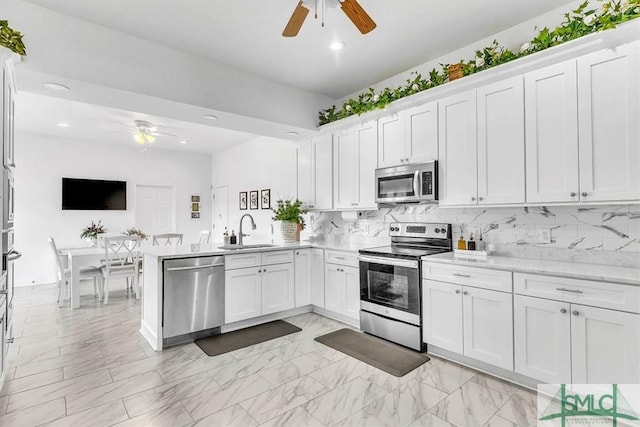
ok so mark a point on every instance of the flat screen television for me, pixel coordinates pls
(93, 195)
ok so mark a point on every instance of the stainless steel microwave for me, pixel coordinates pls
(407, 183)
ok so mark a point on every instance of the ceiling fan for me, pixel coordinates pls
(146, 132)
(351, 8)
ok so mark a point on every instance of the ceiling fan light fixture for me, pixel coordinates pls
(336, 45)
(143, 138)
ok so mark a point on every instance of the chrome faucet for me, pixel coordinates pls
(253, 227)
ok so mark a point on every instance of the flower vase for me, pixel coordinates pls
(288, 230)
(298, 230)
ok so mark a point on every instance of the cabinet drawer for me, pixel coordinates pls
(342, 258)
(241, 261)
(485, 278)
(587, 292)
(277, 257)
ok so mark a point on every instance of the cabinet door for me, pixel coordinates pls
(305, 174)
(604, 345)
(334, 285)
(278, 288)
(488, 326)
(421, 133)
(542, 335)
(317, 277)
(442, 315)
(303, 261)
(345, 172)
(457, 160)
(368, 161)
(551, 114)
(391, 143)
(352, 292)
(608, 116)
(242, 294)
(501, 142)
(322, 155)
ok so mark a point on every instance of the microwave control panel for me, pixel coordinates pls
(427, 183)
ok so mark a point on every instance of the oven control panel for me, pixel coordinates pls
(419, 229)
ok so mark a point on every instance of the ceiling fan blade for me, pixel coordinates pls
(295, 22)
(163, 134)
(358, 16)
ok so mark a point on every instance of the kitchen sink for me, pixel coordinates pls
(255, 246)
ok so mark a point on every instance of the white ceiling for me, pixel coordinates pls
(247, 34)
(40, 115)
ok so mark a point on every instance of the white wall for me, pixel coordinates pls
(256, 165)
(41, 164)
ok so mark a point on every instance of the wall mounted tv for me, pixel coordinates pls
(93, 195)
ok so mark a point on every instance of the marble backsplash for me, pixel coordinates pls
(605, 234)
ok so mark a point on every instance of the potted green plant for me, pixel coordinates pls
(136, 232)
(11, 39)
(91, 232)
(289, 213)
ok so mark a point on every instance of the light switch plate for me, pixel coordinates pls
(544, 235)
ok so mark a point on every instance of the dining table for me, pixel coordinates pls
(80, 257)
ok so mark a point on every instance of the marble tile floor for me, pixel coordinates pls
(91, 367)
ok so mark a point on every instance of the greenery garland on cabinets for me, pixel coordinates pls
(577, 23)
(11, 39)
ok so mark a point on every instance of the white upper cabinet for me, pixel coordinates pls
(551, 110)
(315, 177)
(355, 161)
(457, 162)
(501, 142)
(410, 136)
(609, 124)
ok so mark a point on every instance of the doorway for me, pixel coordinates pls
(220, 211)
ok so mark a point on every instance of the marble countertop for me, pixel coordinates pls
(212, 249)
(598, 272)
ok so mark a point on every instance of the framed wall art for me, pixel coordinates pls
(253, 199)
(265, 199)
(243, 200)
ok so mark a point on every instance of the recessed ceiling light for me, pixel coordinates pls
(336, 45)
(292, 133)
(57, 86)
(63, 125)
(209, 117)
(183, 141)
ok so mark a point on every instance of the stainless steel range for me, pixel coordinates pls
(390, 281)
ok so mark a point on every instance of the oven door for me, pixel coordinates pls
(390, 287)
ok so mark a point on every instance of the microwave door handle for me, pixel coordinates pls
(416, 184)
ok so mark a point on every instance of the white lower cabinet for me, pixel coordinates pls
(342, 290)
(317, 277)
(470, 321)
(303, 277)
(258, 290)
(567, 342)
(242, 294)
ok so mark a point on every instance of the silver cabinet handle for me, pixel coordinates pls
(575, 291)
(3, 292)
(563, 310)
(572, 194)
(461, 275)
(576, 313)
(264, 271)
(457, 291)
(194, 267)
(339, 257)
(10, 340)
(354, 204)
(480, 199)
(311, 206)
(259, 271)
(584, 194)
(297, 253)
(473, 199)
(465, 293)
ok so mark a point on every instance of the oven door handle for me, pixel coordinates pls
(389, 261)
(13, 255)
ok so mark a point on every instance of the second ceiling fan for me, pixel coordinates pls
(351, 8)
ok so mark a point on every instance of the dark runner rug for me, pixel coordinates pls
(391, 358)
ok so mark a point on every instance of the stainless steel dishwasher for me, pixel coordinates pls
(193, 299)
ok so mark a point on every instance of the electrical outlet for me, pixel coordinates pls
(544, 235)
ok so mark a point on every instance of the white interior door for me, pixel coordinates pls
(220, 211)
(155, 211)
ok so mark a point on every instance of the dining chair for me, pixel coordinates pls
(64, 274)
(205, 236)
(122, 258)
(168, 239)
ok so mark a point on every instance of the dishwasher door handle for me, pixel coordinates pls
(194, 267)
